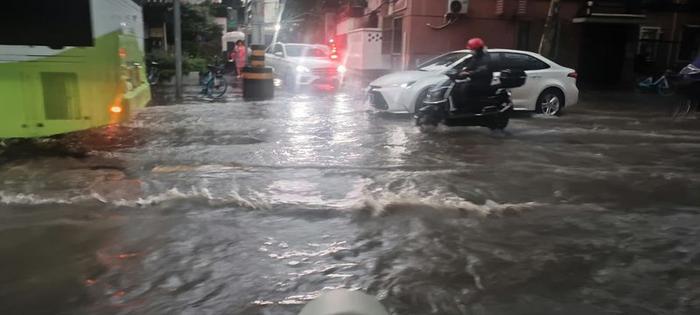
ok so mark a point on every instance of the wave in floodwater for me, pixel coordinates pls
(381, 203)
(32, 199)
(389, 203)
(173, 194)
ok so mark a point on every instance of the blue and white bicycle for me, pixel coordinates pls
(660, 86)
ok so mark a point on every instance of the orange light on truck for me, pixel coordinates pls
(116, 107)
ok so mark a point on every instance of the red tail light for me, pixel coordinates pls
(573, 75)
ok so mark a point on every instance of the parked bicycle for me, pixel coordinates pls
(660, 86)
(213, 83)
(153, 75)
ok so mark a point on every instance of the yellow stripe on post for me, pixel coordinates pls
(258, 76)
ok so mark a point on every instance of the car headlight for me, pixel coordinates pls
(407, 84)
(342, 69)
(302, 69)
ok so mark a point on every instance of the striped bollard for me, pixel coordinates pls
(258, 79)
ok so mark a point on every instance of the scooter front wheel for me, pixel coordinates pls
(423, 125)
(664, 90)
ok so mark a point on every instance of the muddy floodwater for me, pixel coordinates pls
(256, 208)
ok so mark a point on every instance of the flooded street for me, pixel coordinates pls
(257, 207)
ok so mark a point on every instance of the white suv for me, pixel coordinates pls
(299, 65)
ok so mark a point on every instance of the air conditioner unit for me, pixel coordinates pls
(457, 6)
(397, 5)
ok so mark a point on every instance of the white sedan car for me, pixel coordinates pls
(549, 87)
(302, 65)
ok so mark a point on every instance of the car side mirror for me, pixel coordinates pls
(279, 54)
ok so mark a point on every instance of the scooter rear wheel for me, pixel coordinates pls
(500, 121)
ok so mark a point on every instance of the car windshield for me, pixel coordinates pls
(442, 62)
(306, 51)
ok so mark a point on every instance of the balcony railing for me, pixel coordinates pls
(352, 8)
(611, 7)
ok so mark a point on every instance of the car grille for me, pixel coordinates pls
(325, 71)
(377, 100)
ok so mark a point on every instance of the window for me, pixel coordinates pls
(306, 51)
(397, 38)
(495, 62)
(55, 23)
(524, 35)
(387, 33)
(61, 99)
(442, 62)
(462, 64)
(690, 43)
(316, 53)
(520, 62)
(294, 50)
(277, 49)
(648, 42)
(392, 35)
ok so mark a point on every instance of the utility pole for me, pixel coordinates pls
(279, 21)
(550, 28)
(178, 49)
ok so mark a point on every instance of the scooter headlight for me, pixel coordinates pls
(435, 95)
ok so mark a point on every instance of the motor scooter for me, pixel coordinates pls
(443, 104)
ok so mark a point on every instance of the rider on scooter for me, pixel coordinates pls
(478, 70)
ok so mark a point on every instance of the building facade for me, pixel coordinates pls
(607, 41)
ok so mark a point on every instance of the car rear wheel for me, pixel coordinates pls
(550, 102)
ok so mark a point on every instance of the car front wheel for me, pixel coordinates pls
(420, 99)
(550, 102)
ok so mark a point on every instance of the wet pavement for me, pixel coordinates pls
(232, 207)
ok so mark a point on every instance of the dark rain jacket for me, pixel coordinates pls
(479, 69)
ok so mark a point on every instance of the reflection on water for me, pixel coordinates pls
(256, 208)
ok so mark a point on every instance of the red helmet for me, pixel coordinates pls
(475, 44)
